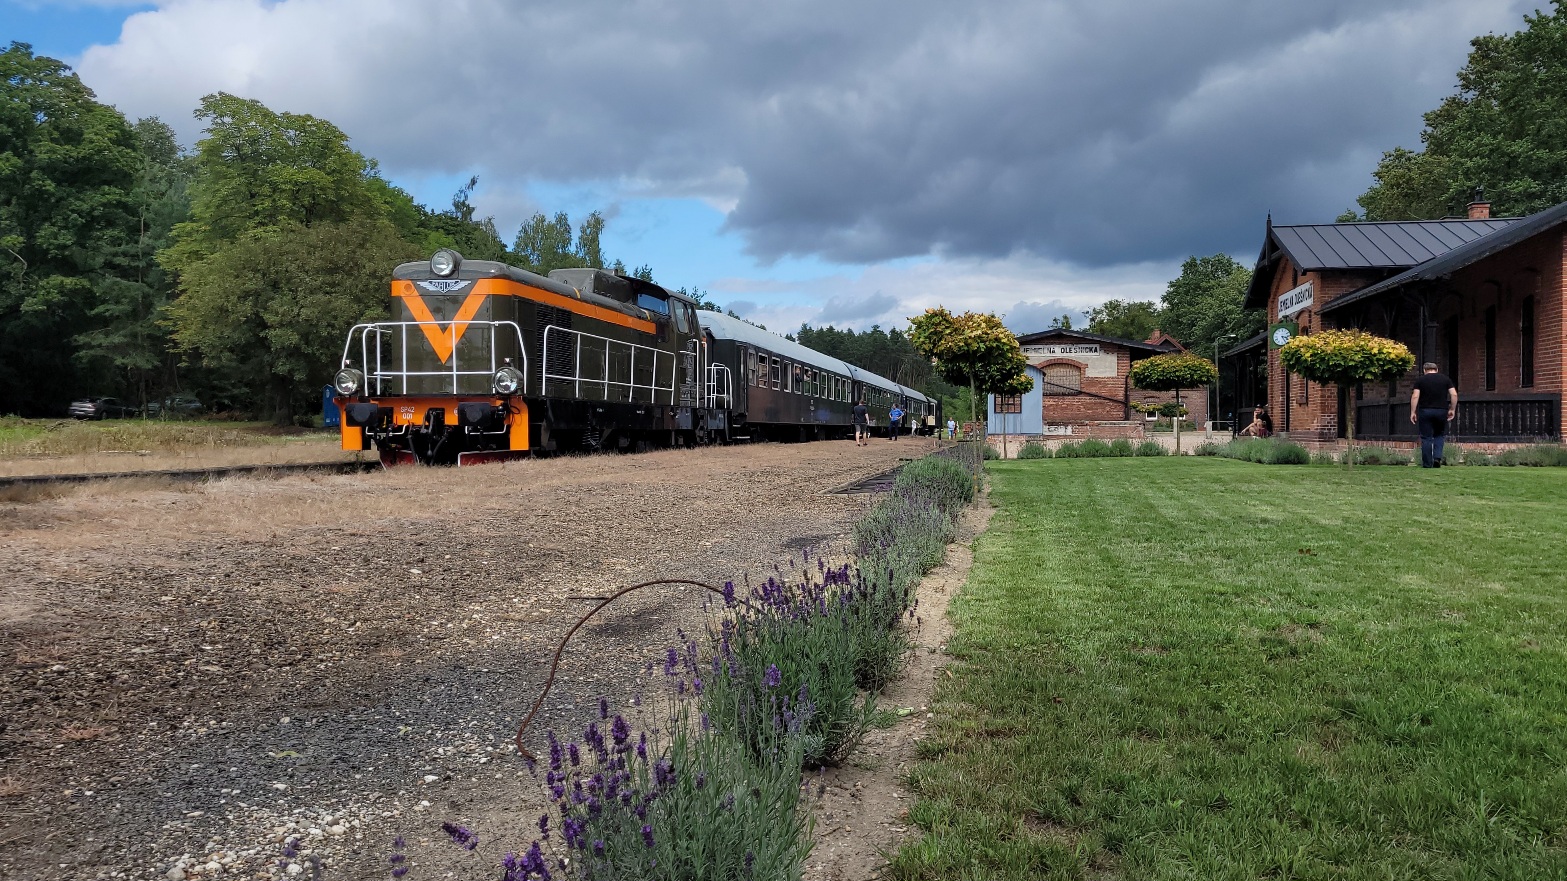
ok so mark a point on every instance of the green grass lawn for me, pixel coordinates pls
(1202, 668)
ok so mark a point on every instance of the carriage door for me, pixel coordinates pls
(690, 348)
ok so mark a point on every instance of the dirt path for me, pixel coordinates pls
(863, 811)
(190, 674)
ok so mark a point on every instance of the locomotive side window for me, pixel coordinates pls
(682, 317)
(776, 370)
(653, 303)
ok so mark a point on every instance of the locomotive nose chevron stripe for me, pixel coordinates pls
(442, 340)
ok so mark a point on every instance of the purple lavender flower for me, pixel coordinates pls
(773, 676)
(729, 802)
(555, 756)
(397, 858)
(598, 846)
(572, 829)
(729, 594)
(701, 780)
(647, 835)
(574, 754)
(696, 686)
(642, 747)
(291, 848)
(620, 731)
(544, 826)
(671, 660)
(461, 835)
(603, 708)
(750, 859)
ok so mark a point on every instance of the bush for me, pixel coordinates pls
(1069, 450)
(1151, 448)
(1475, 457)
(1537, 456)
(1452, 454)
(1208, 448)
(1093, 448)
(990, 453)
(938, 480)
(1324, 457)
(1286, 453)
(1033, 450)
(1269, 451)
(1121, 447)
(1380, 456)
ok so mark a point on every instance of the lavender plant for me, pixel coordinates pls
(681, 802)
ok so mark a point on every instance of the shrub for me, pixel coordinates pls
(1452, 454)
(937, 480)
(1093, 448)
(1539, 455)
(1324, 457)
(1121, 447)
(685, 802)
(1152, 448)
(1286, 453)
(1033, 450)
(990, 453)
(1379, 456)
(1475, 457)
(1208, 448)
(1069, 450)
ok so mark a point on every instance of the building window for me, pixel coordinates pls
(1009, 403)
(1490, 348)
(1062, 379)
(1526, 344)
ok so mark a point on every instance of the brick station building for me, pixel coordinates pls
(1482, 297)
(1081, 387)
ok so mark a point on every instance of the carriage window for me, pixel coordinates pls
(776, 370)
(798, 385)
(653, 303)
(750, 366)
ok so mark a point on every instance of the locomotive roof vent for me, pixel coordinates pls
(445, 263)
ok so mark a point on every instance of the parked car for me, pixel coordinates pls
(177, 406)
(100, 408)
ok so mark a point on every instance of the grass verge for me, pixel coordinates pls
(1192, 668)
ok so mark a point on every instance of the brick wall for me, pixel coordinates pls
(1305, 409)
(1085, 408)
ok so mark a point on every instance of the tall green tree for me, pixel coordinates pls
(288, 228)
(68, 165)
(129, 344)
(1504, 130)
(1124, 319)
(973, 349)
(545, 243)
(289, 294)
(1204, 303)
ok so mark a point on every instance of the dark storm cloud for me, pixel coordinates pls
(1092, 131)
(849, 310)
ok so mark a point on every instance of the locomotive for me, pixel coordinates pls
(483, 361)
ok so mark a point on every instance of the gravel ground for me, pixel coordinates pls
(192, 674)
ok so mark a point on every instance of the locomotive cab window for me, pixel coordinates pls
(653, 303)
(683, 318)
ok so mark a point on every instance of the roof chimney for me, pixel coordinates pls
(1479, 209)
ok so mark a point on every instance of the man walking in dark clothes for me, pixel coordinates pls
(862, 427)
(1433, 404)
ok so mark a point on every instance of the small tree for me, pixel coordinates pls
(973, 349)
(1345, 357)
(1173, 372)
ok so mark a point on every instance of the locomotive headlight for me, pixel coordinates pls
(445, 262)
(508, 380)
(348, 381)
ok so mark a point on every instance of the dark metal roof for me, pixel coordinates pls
(1029, 339)
(1457, 258)
(1388, 246)
(1379, 245)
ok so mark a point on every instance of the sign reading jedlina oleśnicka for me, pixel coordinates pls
(1294, 300)
(1086, 349)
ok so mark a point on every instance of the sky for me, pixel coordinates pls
(828, 162)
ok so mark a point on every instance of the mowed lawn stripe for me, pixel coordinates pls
(1195, 668)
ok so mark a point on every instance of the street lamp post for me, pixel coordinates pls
(1218, 378)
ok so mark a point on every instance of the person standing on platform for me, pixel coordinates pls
(952, 429)
(1432, 405)
(894, 422)
(862, 424)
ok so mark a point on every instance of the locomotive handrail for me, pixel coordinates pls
(605, 382)
(717, 373)
(382, 377)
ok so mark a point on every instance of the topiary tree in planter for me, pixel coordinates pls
(973, 349)
(1343, 358)
(1171, 373)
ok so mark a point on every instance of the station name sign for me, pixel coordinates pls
(1085, 349)
(1294, 300)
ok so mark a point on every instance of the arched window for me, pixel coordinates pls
(1062, 379)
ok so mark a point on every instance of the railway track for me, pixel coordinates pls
(191, 474)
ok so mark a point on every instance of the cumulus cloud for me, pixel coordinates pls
(1094, 132)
